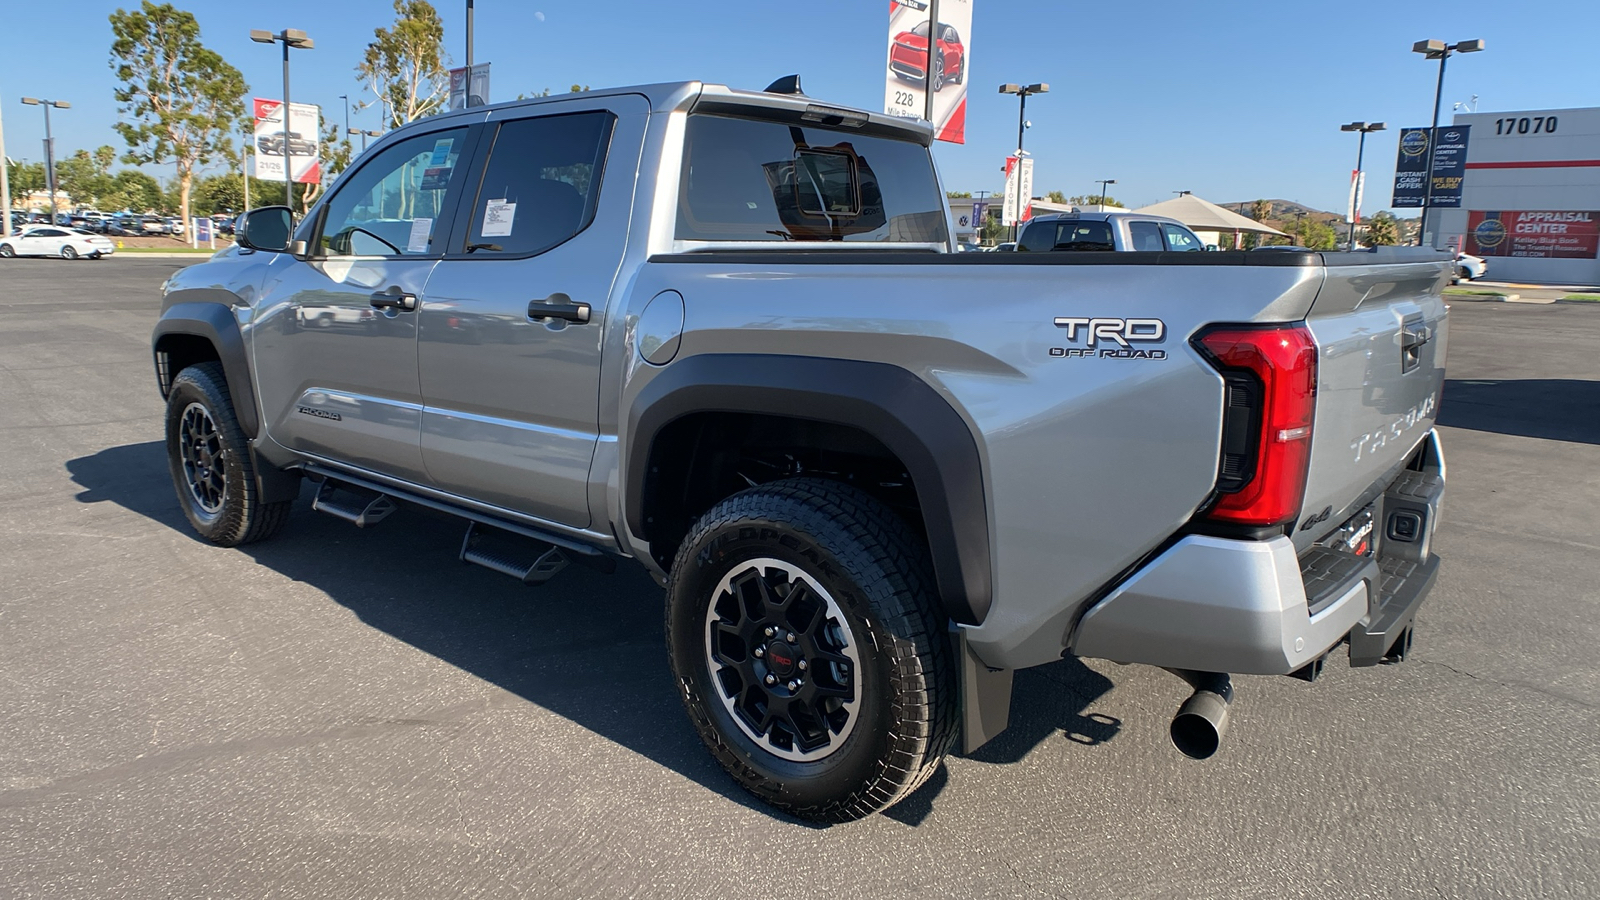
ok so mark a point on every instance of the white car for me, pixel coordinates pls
(52, 240)
(1469, 267)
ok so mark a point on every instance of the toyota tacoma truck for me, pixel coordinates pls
(724, 334)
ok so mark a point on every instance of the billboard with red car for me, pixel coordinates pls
(916, 70)
(1539, 234)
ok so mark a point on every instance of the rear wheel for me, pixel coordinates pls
(68, 253)
(6, 251)
(803, 631)
(210, 462)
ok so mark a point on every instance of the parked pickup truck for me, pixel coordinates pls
(1091, 232)
(724, 334)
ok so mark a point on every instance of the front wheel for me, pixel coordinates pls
(210, 462)
(6, 251)
(808, 648)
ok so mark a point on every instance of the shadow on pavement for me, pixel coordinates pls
(1553, 409)
(586, 646)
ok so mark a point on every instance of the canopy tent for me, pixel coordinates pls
(1203, 215)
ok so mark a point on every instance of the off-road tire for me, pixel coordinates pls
(878, 572)
(239, 517)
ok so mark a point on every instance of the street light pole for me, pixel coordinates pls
(1441, 51)
(469, 52)
(289, 37)
(5, 186)
(49, 149)
(346, 99)
(1022, 91)
(1103, 182)
(1355, 187)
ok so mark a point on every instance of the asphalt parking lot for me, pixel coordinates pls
(352, 713)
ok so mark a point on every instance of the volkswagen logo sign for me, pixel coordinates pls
(1490, 233)
(1414, 143)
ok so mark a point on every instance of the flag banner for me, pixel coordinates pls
(906, 87)
(298, 143)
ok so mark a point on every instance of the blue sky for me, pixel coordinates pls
(1233, 101)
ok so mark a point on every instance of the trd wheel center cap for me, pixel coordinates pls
(781, 658)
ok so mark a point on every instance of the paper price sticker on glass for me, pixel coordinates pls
(1534, 234)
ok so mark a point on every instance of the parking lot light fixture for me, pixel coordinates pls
(1103, 182)
(1441, 51)
(364, 135)
(49, 148)
(1361, 145)
(1022, 91)
(289, 37)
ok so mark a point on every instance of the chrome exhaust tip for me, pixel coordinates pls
(1202, 720)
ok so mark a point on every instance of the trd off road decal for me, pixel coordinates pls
(1111, 338)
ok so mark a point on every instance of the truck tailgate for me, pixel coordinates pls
(1380, 332)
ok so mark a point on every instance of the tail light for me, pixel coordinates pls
(1270, 376)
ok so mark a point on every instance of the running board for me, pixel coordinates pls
(499, 552)
(357, 505)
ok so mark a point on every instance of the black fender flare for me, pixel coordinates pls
(893, 405)
(208, 313)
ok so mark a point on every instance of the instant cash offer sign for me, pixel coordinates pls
(906, 88)
(297, 144)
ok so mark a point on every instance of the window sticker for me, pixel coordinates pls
(421, 230)
(436, 178)
(441, 151)
(497, 218)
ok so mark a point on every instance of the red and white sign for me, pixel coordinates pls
(1018, 206)
(906, 88)
(297, 143)
(1358, 187)
(1543, 234)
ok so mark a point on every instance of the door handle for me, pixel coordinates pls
(394, 298)
(1410, 340)
(559, 306)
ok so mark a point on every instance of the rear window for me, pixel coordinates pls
(1069, 234)
(746, 180)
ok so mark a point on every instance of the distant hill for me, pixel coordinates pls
(1288, 209)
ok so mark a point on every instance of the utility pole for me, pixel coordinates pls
(49, 148)
(1441, 51)
(5, 186)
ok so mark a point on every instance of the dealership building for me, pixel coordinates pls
(1530, 196)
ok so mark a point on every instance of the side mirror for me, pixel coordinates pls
(265, 228)
(1212, 247)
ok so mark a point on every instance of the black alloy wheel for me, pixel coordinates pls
(810, 649)
(210, 461)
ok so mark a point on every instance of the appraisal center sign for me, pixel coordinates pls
(1534, 234)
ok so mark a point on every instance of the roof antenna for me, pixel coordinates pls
(788, 84)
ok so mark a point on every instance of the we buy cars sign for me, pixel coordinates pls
(906, 89)
(297, 143)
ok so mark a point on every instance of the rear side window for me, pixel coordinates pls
(541, 183)
(1180, 238)
(1146, 237)
(746, 180)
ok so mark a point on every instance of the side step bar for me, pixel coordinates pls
(357, 506)
(484, 548)
(376, 501)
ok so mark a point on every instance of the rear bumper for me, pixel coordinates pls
(1257, 608)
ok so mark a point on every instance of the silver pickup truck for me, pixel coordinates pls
(723, 333)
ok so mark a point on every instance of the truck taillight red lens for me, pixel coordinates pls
(1278, 364)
